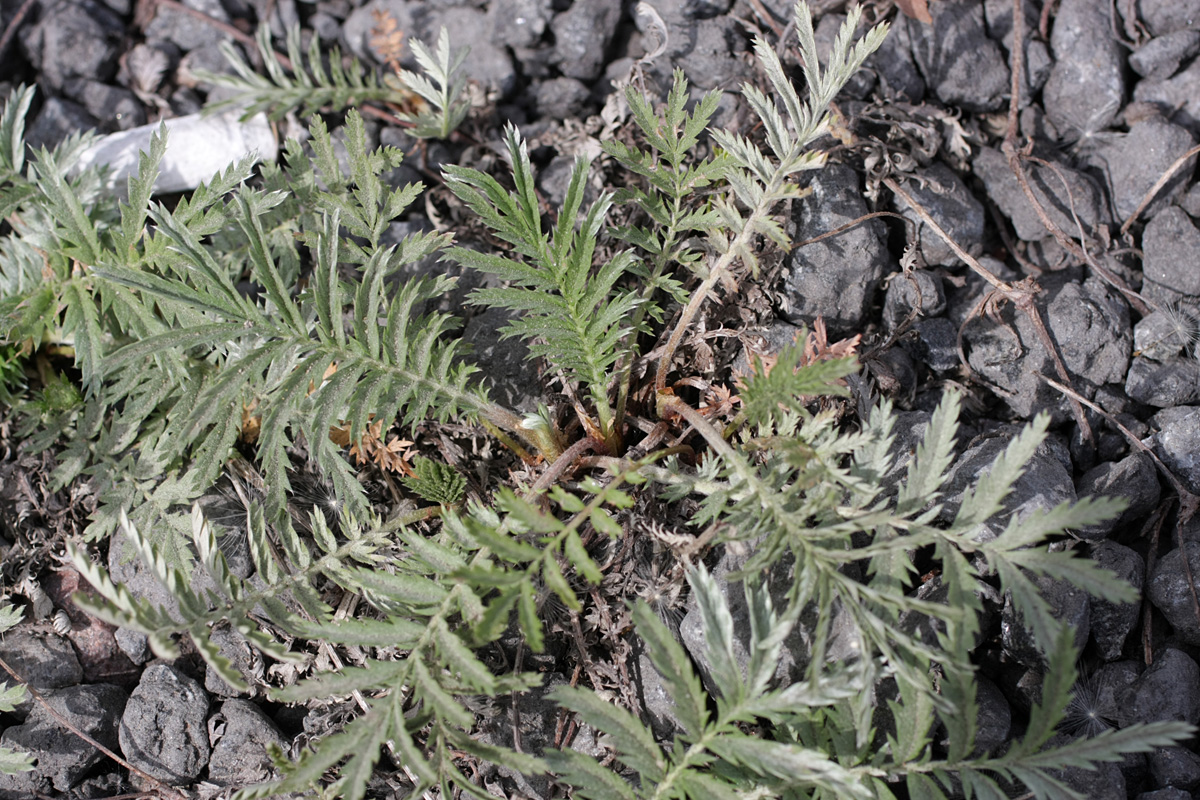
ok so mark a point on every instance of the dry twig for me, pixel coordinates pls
(1157, 187)
(163, 789)
(1189, 502)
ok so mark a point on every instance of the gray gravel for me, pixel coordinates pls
(1168, 689)
(1086, 85)
(241, 733)
(836, 277)
(164, 728)
(63, 759)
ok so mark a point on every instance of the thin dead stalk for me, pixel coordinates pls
(1017, 155)
(1151, 561)
(1022, 294)
(561, 465)
(1157, 187)
(14, 24)
(851, 224)
(1189, 503)
(159, 786)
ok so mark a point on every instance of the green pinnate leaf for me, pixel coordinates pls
(691, 702)
(436, 482)
(14, 761)
(592, 780)
(634, 743)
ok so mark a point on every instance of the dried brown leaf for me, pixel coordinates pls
(387, 39)
(915, 9)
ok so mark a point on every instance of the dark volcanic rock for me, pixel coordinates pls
(961, 65)
(43, 660)
(711, 56)
(234, 648)
(356, 30)
(1090, 323)
(1058, 188)
(1168, 689)
(239, 753)
(709, 51)
(73, 40)
(994, 719)
(1190, 201)
(1175, 767)
(1045, 483)
(1069, 604)
(582, 33)
(117, 109)
(1177, 96)
(1135, 161)
(947, 200)
(1163, 335)
(1162, 56)
(488, 61)
(1111, 622)
(1037, 61)
(656, 699)
(1164, 384)
(1177, 443)
(511, 376)
(163, 730)
(63, 758)
(1099, 698)
(1165, 794)
(919, 291)
(1170, 243)
(519, 23)
(561, 98)
(899, 78)
(1086, 86)
(1168, 16)
(835, 277)
(936, 344)
(1105, 782)
(1133, 479)
(1170, 594)
(185, 30)
(58, 119)
(926, 628)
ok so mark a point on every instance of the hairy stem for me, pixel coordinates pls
(718, 271)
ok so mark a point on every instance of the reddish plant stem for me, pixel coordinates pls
(10, 30)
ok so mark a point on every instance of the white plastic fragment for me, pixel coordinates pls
(198, 147)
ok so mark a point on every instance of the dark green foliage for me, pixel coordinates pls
(674, 180)
(435, 482)
(571, 313)
(319, 82)
(817, 735)
(442, 90)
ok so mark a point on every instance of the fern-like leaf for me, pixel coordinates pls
(435, 482)
(571, 315)
(442, 90)
(310, 86)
